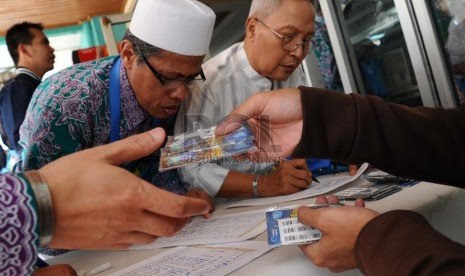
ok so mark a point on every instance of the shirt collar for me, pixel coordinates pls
(22, 70)
(130, 108)
(253, 75)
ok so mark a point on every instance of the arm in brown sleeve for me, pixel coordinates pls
(403, 243)
(421, 143)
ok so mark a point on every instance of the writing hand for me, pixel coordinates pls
(289, 177)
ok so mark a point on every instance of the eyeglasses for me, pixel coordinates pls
(290, 42)
(172, 84)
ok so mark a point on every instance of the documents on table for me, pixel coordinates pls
(214, 260)
(222, 229)
(327, 183)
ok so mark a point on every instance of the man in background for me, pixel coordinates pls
(33, 56)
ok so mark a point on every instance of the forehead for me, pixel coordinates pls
(293, 13)
(38, 34)
(178, 64)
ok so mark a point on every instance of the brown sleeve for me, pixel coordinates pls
(421, 143)
(403, 243)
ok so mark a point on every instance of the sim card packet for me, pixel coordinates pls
(381, 177)
(368, 192)
(284, 228)
(204, 146)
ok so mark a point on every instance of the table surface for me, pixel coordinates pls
(442, 205)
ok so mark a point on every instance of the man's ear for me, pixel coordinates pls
(24, 50)
(128, 54)
(250, 27)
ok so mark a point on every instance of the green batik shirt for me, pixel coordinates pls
(70, 111)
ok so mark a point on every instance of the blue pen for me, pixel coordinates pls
(41, 263)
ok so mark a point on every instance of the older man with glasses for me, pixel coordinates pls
(278, 37)
(109, 99)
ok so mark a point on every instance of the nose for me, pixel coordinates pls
(299, 51)
(180, 92)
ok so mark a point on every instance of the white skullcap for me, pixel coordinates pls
(180, 26)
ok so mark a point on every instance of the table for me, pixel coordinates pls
(442, 205)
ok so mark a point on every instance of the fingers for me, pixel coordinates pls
(146, 226)
(359, 202)
(332, 199)
(298, 163)
(300, 183)
(303, 177)
(297, 173)
(201, 194)
(353, 169)
(165, 203)
(133, 147)
(141, 238)
(320, 200)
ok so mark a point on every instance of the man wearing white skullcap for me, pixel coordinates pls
(105, 100)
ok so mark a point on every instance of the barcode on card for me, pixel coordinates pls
(284, 228)
(303, 237)
(292, 231)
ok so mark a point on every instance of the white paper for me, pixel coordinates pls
(327, 184)
(214, 260)
(222, 229)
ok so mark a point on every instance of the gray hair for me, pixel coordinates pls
(141, 47)
(263, 8)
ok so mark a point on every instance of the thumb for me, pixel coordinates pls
(230, 123)
(308, 216)
(134, 147)
(251, 108)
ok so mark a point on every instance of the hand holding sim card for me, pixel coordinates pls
(284, 228)
(339, 228)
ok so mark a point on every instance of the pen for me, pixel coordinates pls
(314, 179)
(41, 263)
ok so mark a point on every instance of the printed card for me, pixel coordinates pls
(204, 146)
(283, 228)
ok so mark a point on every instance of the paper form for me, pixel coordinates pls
(215, 260)
(222, 229)
(327, 184)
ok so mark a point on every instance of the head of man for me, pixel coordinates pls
(30, 48)
(278, 36)
(163, 51)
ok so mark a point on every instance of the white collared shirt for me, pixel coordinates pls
(230, 81)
